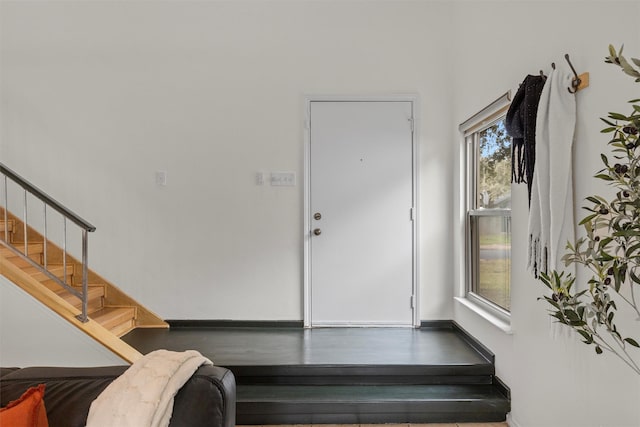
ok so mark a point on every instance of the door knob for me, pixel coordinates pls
(317, 216)
(317, 232)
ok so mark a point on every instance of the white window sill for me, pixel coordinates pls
(485, 313)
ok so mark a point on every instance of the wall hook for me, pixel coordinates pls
(575, 82)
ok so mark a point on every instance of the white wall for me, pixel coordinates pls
(554, 382)
(99, 95)
(33, 335)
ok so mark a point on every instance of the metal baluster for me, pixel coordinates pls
(66, 214)
(85, 274)
(6, 208)
(25, 223)
(64, 248)
(45, 236)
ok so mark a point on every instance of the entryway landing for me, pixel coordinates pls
(260, 346)
(347, 375)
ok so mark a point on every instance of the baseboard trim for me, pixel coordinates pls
(466, 336)
(215, 323)
(473, 342)
(436, 324)
(502, 387)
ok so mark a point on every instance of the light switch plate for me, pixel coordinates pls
(161, 178)
(283, 179)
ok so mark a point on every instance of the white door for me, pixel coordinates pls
(360, 206)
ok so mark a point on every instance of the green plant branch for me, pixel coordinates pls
(610, 249)
(596, 338)
(628, 360)
(598, 272)
(633, 298)
(599, 339)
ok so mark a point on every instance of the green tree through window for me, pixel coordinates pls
(494, 184)
(489, 214)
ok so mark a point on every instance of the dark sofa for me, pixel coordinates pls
(207, 399)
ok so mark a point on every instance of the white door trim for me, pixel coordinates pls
(307, 197)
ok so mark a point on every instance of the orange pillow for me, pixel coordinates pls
(28, 411)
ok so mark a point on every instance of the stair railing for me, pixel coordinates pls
(67, 215)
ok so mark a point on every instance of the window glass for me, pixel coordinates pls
(493, 259)
(489, 214)
(494, 167)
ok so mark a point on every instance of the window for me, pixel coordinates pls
(488, 231)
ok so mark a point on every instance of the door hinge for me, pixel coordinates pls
(307, 124)
(411, 123)
(412, 214)
(412, 301)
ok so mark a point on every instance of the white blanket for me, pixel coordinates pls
(143, 395)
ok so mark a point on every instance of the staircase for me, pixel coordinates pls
(54, 277)
(111, 312)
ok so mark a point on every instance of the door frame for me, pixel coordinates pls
(414, 100)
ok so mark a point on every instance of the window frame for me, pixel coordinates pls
(470, 131)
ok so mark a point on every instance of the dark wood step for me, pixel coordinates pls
(347, 375)
(481, 373)
(270, 404)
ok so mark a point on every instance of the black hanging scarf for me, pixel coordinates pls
(521, 127)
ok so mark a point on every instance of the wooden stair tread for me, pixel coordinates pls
(112, 313)
(21, 262)
(112, 317)
(52, 267)
(94, 297)
(10, 225)
(123, 328)
(55, 269)
(17, 259)
(32, 248)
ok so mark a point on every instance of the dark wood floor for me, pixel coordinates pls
(291, 375)
(231, 346)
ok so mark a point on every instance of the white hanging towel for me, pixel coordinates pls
(551, 219)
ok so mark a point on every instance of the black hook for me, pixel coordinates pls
(575, 82)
